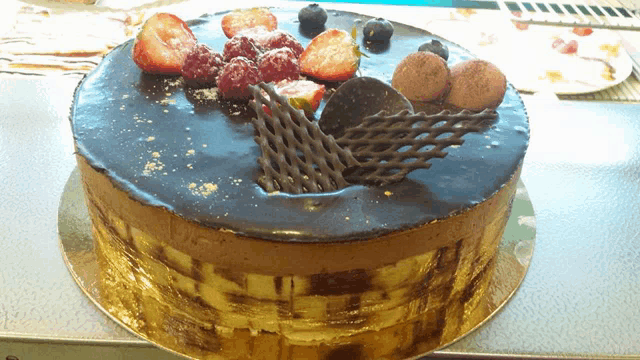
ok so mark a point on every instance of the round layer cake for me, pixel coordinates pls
(196, 256)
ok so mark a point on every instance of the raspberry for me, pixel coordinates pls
(236, 76)
(279, 64)
(258, 34)
(241, 45)
(201, 66)
(282, 39)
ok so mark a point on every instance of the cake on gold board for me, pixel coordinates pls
(197, 254)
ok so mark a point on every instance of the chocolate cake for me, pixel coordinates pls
(196, 256)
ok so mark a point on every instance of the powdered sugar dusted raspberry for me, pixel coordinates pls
(281, 39)
(259, 34)
(276, 39)
(201, 66)
(236, 76)
(279, 64)
(241, 45)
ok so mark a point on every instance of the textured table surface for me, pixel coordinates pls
(580, 298)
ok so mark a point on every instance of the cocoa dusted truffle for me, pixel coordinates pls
(422, 76)
(476, 85)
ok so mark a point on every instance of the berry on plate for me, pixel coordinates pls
(331, 56)
(236, 76)
(312, 16)
(241, 45)
(278, 64)
(582, 31)
(563, 47)
(519, 25)
(242, 19)
(202, 66)
(377, 30)
(162, 44)
(302, 94)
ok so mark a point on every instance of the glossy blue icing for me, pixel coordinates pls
(123, 120)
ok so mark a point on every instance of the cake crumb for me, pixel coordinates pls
(190, 166)
(155, 154)
(165, 102)
(209, 187)
(169, 82)
(206, 94)
(204, 190)
(191, 152)
(388, 193)
(347, 218)
(151, 138)
(152, 166)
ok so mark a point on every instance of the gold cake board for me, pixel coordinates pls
(514, 256)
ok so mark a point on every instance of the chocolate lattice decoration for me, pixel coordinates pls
(388, 147)
(297, 157)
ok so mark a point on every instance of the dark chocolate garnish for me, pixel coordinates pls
(297, 157)
(356, 99)
(388, 147)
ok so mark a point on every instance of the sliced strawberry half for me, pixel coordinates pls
(333, 55)
(302, 94)
(243, 19)
(162, 44)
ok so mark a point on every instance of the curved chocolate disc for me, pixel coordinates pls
(356, 99)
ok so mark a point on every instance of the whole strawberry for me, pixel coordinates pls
(201, 66)
(331, 56)
(241, 45)
(162, 44)
(279, 64)
(236, 76)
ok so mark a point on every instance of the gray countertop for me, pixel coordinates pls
(580, 297)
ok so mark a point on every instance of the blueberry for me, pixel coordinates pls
(437, 48)
(312, 16)
(377, 30)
